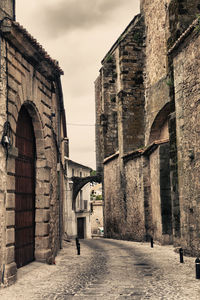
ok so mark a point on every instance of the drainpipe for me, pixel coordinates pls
(59, 172)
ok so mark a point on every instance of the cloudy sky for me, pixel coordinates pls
(77, 33)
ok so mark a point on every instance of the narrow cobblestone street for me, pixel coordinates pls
(108, 269)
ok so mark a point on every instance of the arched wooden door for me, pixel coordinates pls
(25, 190)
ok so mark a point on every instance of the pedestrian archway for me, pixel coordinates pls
(79, 182)
(24, 190)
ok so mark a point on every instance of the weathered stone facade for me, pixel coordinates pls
(149, 152)
(29, 84)
(186, 86)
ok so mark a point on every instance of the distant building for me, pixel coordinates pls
(96, 209)
(96, 190)
(77, 216)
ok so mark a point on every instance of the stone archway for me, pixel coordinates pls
(79, 182)
(42, 169)
(159, 162)
(42, 188)
(159, 128)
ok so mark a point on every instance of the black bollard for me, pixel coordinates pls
(78, 246)
(151, 242)
(197, 262)
(181, 255)
(78, 249)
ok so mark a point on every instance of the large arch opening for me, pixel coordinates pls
(25, 190)
(159, 128)
(79, 182)
(160, 177)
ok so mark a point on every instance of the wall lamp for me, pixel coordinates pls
(7, 139)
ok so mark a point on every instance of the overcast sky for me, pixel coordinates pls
(77, 33)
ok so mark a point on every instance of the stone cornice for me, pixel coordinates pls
(30, 48)
(111, 157)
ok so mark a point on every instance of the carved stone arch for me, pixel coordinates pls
(42, 186)
(159, 123)
(80, 182)
(38, 128)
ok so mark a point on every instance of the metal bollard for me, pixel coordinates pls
(181, 255)
(78, 246)
(197, 263)
(78, 249)
(151, 242)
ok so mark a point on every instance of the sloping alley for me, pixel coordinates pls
(108, 269)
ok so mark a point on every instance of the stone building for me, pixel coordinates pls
(97, 204)
(147, 126)
(77, 216)
(32, 131)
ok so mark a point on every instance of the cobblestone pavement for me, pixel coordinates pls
(108, 269)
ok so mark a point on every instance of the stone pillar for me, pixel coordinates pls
(42, 214)
(10, 269)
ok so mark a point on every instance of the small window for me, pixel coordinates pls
(85, 204)
(81, 199)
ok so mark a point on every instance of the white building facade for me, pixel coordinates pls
(77, 214)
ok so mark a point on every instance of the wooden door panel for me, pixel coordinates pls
(24, 237)
(24, 185)
(24, 219)
(24, 202)
(24, 190)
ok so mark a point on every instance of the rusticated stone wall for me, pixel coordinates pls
(36, 86)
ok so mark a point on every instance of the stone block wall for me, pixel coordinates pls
(181, 15)
(187, 88)
(37, 89)
(131, 92)
(107, 114)
(135, 222)
(160, 196)
(120, 94)
(157, 83)
(114, 209)
(7, 9)
(99, 126)
(157, 162)
(165, 190)
(120, 120)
